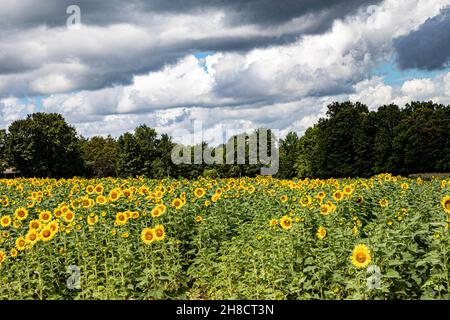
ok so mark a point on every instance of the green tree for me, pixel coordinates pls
(289, 154)
(421, 142)
(336, 144)
(44, 145)
(387, 119)
(129, 162)
(306, 162)
(3, 163)
(99, 155)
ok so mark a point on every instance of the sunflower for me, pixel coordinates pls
(2, 257)
(114, 195)
(69, 216)
(46, 234)
(284, 198)
(305, 201)
(348, 190)
(250, 189)
(383, 202)
(162, 208)
(14, 252)
(90, 189)
(101, 199)
(121, 218)
(32, 237)
(198, 219)
(215, 198)
(361, 256)
(404, 186)
(446, 204)
(126, 193)
(321, 232)
(92, 220)
(45, 216)
(199, 192)
(99, 189)
(160, 233)
(148, 235)
(338, 196)
(5, 221)
(321, 195)
(54, 226)
(286, 222)
(21, 242)
(177, 203)
(273, 222)
(21, 214)
(155, 212)
(325, 209)
(135, 215)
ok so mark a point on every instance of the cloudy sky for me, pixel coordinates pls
(230, 64)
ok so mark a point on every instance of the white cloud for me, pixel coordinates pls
(153, 79)
(418, 88)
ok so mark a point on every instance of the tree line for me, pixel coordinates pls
(350, 141)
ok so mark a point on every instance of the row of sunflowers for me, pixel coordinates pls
(248, 238)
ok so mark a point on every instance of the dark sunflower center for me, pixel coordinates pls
(149, 236)
(361, 257)
(447, 204)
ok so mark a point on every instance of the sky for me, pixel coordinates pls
(230, 65)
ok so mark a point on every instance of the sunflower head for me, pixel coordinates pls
(383, 202)
(361, 256)
(446, 204)
(5, 221)
(177, 203)
(160, 233)
(286, 222)
(199, 192)
(2, 256)
(21, 243)
(321, 232)
(148, 235)
(46, 234)
(21, 214)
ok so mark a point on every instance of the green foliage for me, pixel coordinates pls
(44, 145)
(143, 153)
(99, 155)
(3, 163)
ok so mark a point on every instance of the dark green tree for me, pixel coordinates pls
(99, 155)
(3, 163)
(44, 145)
(306, 162)
(336, 143)
(289, 154)
(387, 119)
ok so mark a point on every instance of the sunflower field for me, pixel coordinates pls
(249, 238)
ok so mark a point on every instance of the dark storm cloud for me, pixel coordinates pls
(107, 68)
(428, 47)
(262, 12)
(95, 12)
